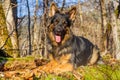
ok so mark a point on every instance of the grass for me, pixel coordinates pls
(29, 58)
(105, 71)
(102, 72)
(65, 76)
(11, 61)
(110, 70)
(97, 72)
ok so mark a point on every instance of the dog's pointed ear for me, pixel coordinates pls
(53, 9)
(72, 13)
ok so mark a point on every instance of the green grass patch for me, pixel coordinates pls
(10, 61)
(102, 72)
(65, 76)
(97, 72)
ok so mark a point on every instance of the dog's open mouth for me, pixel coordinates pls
(58, 38)
(59, 35)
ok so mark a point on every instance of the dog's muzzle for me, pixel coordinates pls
(59, 33)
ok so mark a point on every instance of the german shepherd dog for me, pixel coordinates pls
(63, 45)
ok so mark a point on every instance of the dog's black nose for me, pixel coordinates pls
(58, 31)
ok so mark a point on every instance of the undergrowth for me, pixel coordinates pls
(110, 70)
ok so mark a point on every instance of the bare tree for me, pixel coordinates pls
(10, 22)
(80, 13)
(29, 31)
(5, 42)
(14, 9)
(116, 31)
(118, 9)
(37, 34)
(45, 9)
(103, 24)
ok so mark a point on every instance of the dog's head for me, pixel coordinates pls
(59, 28)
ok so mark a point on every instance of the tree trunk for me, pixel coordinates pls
(11, 26)
(45, 9)
(5, 42)
(29, 31)
(80, 13)
(116, 33)
(118, 44)
(102, 45)
(14, 9)
(36, 34)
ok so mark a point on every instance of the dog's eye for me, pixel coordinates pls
(56, 21)
(64, 22)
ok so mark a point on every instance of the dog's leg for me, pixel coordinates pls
(95, 56)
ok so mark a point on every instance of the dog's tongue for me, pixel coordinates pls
(58, 38)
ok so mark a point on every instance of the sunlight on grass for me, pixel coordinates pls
(102, 72)
(60, 77)
(10, 61)
(97, 72)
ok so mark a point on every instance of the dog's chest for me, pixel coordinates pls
(59, 50)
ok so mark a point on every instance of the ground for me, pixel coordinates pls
(29, 68)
